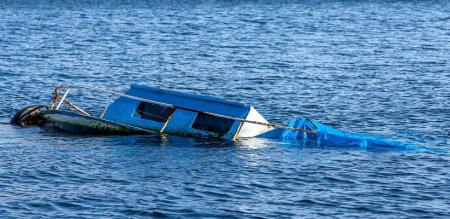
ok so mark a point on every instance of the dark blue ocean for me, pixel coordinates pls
(373, 67)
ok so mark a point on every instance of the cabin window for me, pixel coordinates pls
(212, 124)
(154, 112)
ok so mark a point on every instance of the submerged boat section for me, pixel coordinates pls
(82, 124)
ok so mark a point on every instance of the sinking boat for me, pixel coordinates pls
(143, 109)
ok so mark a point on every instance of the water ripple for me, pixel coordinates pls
(371, 67)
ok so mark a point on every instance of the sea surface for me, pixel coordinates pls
(373, 67)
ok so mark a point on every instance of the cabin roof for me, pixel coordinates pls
(189, 100)
(186, 95)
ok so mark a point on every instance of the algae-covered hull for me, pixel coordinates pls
(80, 124)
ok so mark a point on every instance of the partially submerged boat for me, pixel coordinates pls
(144, 110)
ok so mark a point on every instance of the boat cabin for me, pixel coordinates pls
(185, 114)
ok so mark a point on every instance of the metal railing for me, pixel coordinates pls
(63, 99)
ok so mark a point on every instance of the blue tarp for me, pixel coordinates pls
(328, 136)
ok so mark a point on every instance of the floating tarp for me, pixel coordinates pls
(329, 136)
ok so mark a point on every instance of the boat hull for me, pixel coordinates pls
(80, 124)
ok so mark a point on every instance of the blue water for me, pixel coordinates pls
(373, 67)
